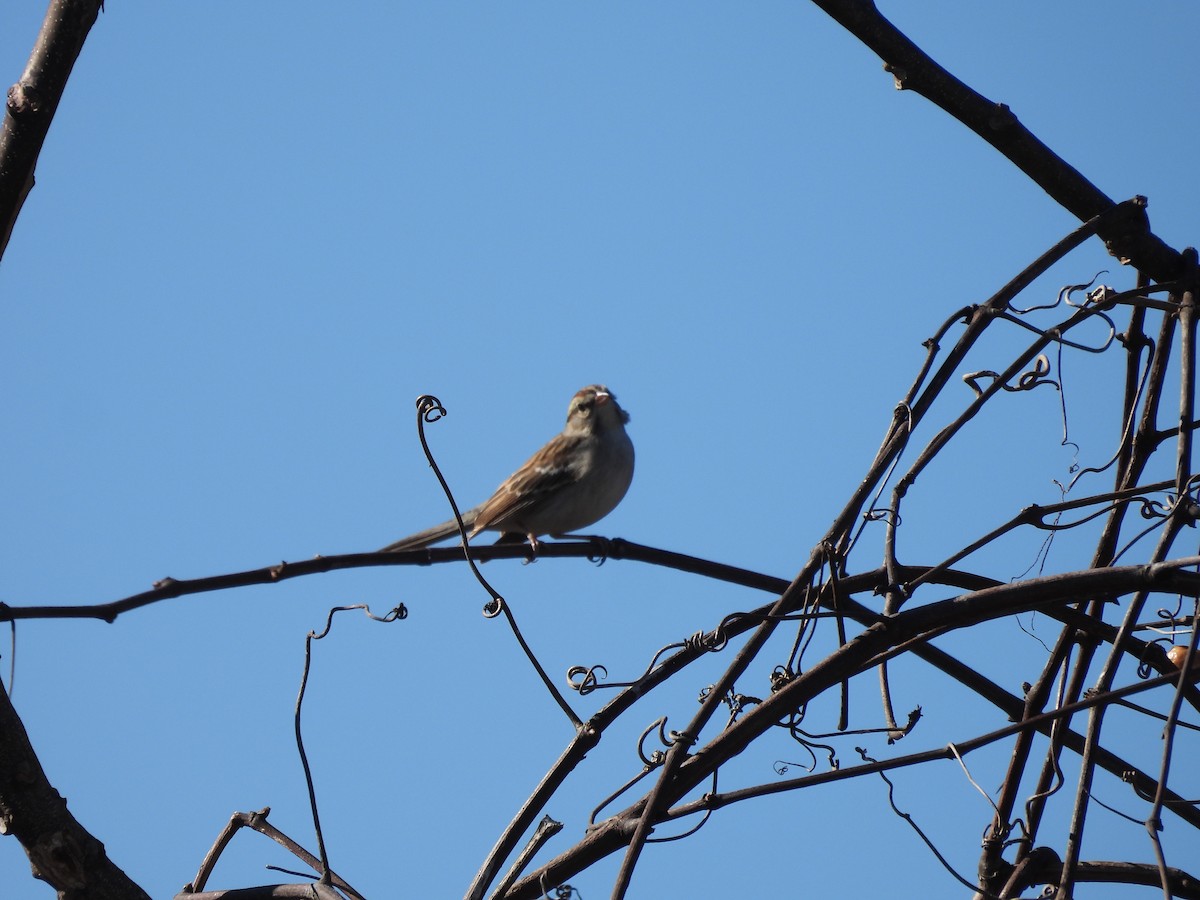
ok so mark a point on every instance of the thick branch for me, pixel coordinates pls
(1129, 239)
(61, 851)
(33, 100)
(1046, 870)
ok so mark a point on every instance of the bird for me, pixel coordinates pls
(574, 481)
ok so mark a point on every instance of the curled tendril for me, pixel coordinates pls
(600, 557)
(394, 615)
(1184, 506)
(1098, 295)
(812, 746)
(711, 641)
(1144, 668)
(430, 408)
(1155, 509)
(1037, 375)
(781, 677)
(1172, 617)
(781, 766)
(1004, 832)
(650, 761)
(1026, 381)
(736, 702)
(1064, 296)
(888, 516)
(671, 738)
(585, 679)
(582, 678)
(655, 758)
(1149, 510)
(399, 612)
(1102, 296)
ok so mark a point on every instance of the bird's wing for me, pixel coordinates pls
(541, 476)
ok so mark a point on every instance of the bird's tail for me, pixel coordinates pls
(432, 535)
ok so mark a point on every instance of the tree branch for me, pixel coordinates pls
(904, 632)
(33, 100)
(1128, 238)
(61, 851)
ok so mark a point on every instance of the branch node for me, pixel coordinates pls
(24, 103)
(898, 73)
(1125, 229)
(1002, 118)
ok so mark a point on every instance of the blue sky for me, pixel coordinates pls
(259, 232)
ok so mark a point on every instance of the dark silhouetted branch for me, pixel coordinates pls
(61, 851)
(33, 100)
(1128, 237)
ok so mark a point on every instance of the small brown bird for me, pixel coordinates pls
(577, 479)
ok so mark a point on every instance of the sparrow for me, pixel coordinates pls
(577, 479)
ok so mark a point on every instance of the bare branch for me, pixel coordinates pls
(33, 100)
(1128, 238)
(61, 851)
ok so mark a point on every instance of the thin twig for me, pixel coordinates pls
(399, 612)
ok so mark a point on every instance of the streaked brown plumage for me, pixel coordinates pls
(574, 481)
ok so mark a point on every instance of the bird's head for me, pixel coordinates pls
(595, 407)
